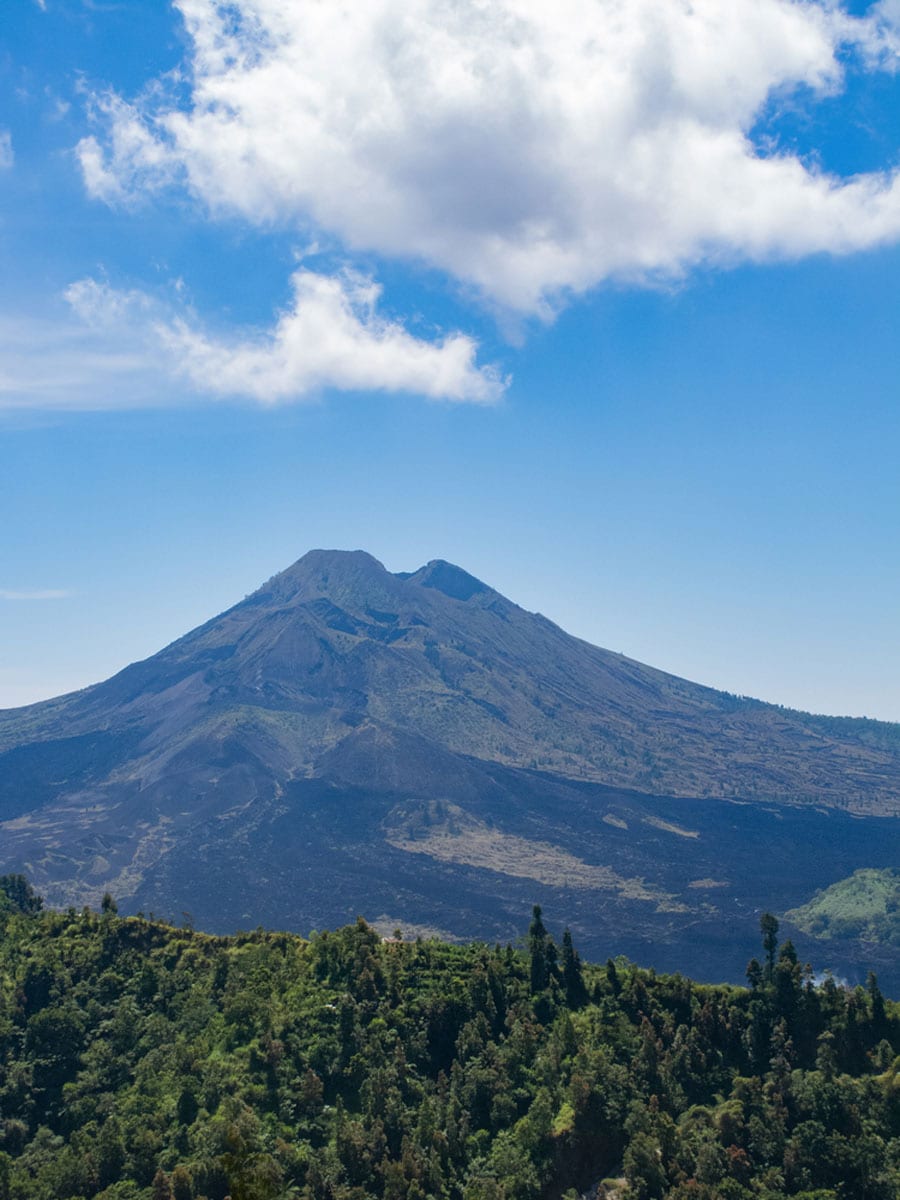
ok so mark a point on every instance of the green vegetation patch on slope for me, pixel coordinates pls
(866, 905)
(143, 1062)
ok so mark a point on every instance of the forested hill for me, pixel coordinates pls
(143, 1062)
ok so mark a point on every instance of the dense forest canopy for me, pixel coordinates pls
(143, 1062)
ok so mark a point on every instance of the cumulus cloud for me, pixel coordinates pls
(530, 149)
(332, 336)
(124, 348)
(7, 156)
(134, 161)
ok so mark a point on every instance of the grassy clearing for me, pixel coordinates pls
(866, 905)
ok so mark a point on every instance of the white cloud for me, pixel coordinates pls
(7, 155)
(34, 594)
(332, 336)
(530, 149)
(881, 35)
(134, 160)
(124, 349)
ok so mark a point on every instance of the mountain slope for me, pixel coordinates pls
(294, 727)
(337, 642)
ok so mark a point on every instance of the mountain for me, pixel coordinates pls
(418, 748)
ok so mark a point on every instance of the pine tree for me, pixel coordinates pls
(573, 979)
(768, 925)
(537, 950)
(879, 1016)
(161, 1187)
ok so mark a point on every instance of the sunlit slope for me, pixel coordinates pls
(866, 906)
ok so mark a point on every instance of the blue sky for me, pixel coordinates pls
(602, 308)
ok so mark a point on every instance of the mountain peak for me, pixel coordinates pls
(336, 560)
(340, 573)
(453, 581)
(323, 572)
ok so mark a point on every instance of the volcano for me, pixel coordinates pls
(417, 748)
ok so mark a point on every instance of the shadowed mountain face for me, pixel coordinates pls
(418, 748)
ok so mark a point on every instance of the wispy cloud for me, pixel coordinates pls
(34, 594)
(7, 155)
(532, 149)
(62, 363)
